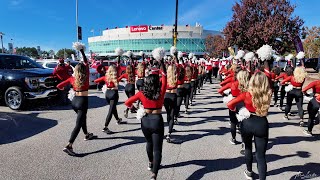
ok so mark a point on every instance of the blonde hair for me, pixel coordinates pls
(299, 74)
(140, 70)
(172, 75)
(129, 71)
(111, 75)
(243, 79)
(233, 67)
(261, 94)
(80, 75)
(188, 72)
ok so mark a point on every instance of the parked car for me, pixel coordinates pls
(22, 79)
(107, 63)
(311, 63)
(51, 64)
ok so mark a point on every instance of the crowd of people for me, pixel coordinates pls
(247, 85)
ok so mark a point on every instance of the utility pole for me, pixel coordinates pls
(77, 20)
(1, 35)
(175, 33)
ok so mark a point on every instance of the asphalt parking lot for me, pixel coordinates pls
(31, 144)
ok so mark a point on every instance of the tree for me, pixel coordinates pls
(65, 53)
(312, 42)
(216, 45)
(27, 51)
(258, 22)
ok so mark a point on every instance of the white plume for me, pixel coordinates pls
(249, 56)
(230, 57)
(140, 113)
(119, 51)
(71, 94)
(307, 98)
(141, 53)
(180, 55)
(169, 58)
(223, 63)
(289, 57)
(191, 55)
(300, 55)
(265, 52)
(194, 58)
(173, 50)
(104, 89)
(158, 53)
(288, 88)
(78, 46)
(129, 53)
(243, 114)
(165, 58)
(227, 99)
(227, 91)
(240, 54)
(279, 58)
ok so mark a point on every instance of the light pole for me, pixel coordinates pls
(77, 20)
(1, 34)
(175, 33)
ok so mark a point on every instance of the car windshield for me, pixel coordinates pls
(17, 62)
(52, 65)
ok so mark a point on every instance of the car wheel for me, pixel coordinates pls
(14, 98)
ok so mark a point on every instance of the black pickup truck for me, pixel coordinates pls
(22, 79)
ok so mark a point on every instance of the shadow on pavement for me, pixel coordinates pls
(281, 140)
(209, 166)
(133, 140)
(179, 139)
(16, 127)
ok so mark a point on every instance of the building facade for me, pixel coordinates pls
(146, 38)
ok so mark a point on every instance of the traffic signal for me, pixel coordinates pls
(79, 33)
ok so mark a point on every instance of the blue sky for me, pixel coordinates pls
(51, 23)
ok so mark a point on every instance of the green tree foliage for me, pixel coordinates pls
(65, 53)
(27, 51)
(312, 42)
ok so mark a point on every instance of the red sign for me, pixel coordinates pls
(142, 28)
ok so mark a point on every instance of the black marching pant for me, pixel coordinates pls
(297, 95)
(180, 95)
(129, 89)
(257, 127)
(234, 122)
(313, 108)
(275, 92)
(282, 94)
(112, 97)
(170, 103)
(193, 89)
(80, 106)
(139, 84)
(208, 76)
(153, 130)
(187, 87)
(215, 72)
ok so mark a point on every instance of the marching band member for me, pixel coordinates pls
(170, 98)
(257, 102)
(80, 84)
(313, 105)
(284, 75)
(152, 98)
(112, 96)
(238, 86)
(294, 91)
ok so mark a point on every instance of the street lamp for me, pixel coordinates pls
(1, 34)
